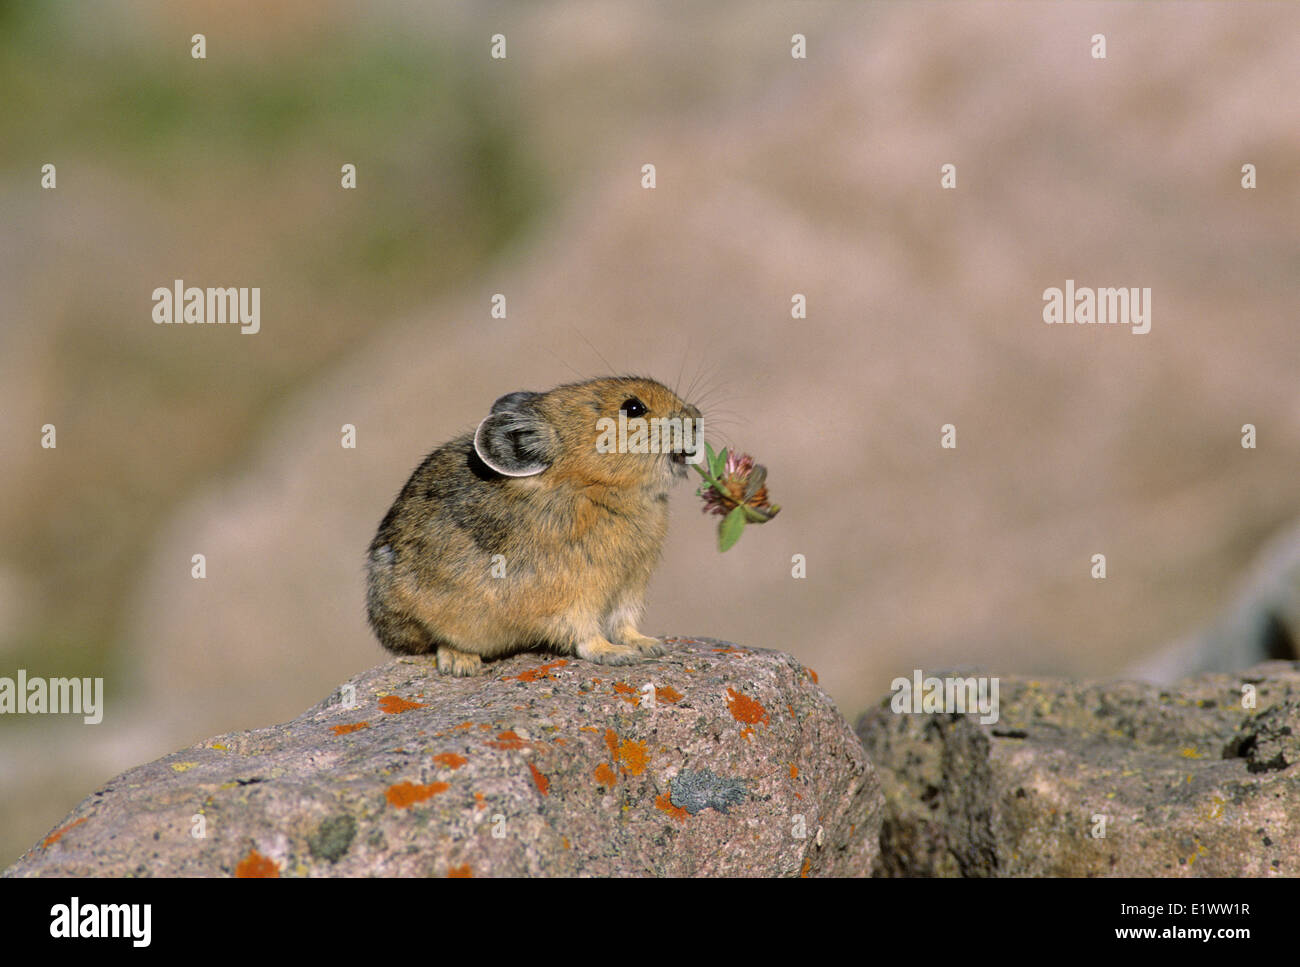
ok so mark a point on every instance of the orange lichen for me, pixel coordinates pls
(543, 784)
(565, 841)
(745, 709)
(813, 674)
(463, 725)
(558, 741)
(479, 802)
(807, 865)
(604, 775)
(748, 733)
(630, 693)
(588, 728)
(794, 771)
(540, 672)
(405, 794)
(57, 835)
(729, 651)
(634, 756)
(611, 740)
(667, 694)
(255, 865)
(460, 872)
(508, 740)
(450, 759)
(395, 704)
(665, 803)
(349, 727)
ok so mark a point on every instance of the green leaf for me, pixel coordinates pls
(718, 462)
(730, 529)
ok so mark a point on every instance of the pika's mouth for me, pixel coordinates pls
(677, 461)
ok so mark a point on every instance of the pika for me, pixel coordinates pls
(530, 533)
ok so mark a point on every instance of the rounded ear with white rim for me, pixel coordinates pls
(515, 440)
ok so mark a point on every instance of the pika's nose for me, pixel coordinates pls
(692, 411)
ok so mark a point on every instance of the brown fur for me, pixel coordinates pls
(579, 539)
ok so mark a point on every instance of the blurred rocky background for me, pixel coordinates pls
(522, 176)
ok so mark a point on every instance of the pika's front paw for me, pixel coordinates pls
(608, 653)
(649, 647)
(453, 661)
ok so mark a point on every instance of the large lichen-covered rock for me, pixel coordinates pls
(1122, 779)
(713, 760)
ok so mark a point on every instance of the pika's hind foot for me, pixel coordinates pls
(453, 661)
(608, 653)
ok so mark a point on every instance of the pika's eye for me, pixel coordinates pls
(633, 407)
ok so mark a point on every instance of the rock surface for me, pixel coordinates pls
(740, 765)
(1184, 780)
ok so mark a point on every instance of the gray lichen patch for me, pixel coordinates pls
(695, 791)
(333, 837)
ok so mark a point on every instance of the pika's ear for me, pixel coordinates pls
(515, 440)
(518, 400)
